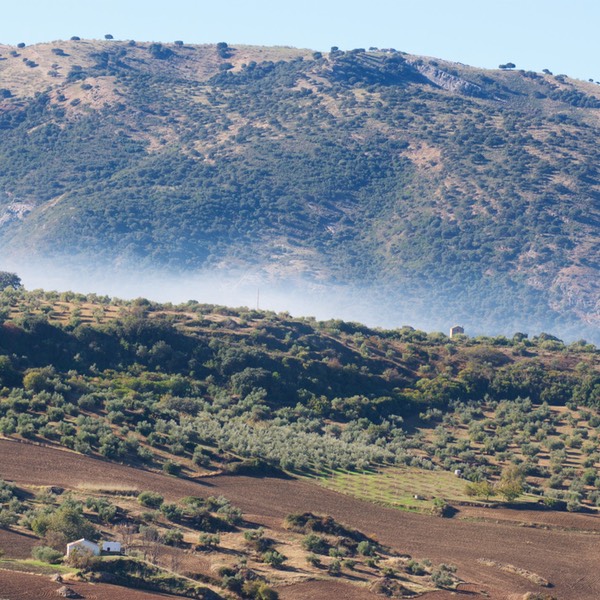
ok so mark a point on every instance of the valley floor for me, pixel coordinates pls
(488, 546)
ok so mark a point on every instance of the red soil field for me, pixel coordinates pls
(22, 586)
(535, 518)
(312, 590)
(566, 558)
(17, 545)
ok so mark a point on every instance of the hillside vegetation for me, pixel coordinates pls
(126, 419)
(195, 387)
(477, 190)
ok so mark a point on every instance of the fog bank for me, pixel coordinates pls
(374, 305)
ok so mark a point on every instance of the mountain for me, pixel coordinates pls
(444, 191)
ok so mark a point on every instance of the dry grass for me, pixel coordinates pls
(397, 487)
(112, 490)
(529, 575)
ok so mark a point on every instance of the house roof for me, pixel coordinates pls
(80, 541)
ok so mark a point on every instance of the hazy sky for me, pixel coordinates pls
(560, 35)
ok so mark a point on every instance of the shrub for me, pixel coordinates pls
(82, 559)
(145, 454)
(335, 567)
(7, 491)
(173, 537)
(551, 502)
(274, 558)
(7, 518)
(443, 575)
(255, 539)
(415, 568)
(150, 499)
(230, 514)
(441, 508)
(258, 590)
(159, 51)
(233, 583)
(209, 540)
(366, 548)
(172, 512)
(482, 489)
(200, 457)
(46, 554)
(172, 468)
(106, 511)
(315, 543)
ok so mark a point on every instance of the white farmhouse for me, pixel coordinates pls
(83, 545)
(111, 547)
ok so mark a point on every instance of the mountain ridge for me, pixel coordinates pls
(418, 177)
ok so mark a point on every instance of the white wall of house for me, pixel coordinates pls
(111, 546)
(84, 545)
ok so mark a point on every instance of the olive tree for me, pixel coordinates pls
(9, 280)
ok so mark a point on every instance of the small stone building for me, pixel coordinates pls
(456, 330)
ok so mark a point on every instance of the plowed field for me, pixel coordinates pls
(22, 586)
(567, 558)
(324, 590)
(17, 545)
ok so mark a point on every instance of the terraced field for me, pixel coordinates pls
(403, 488)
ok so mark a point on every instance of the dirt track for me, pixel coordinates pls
(568, 559)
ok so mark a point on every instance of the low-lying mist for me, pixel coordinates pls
(371, 304)
(251, 289)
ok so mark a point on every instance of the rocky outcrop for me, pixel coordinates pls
(447, 81)
(15, 210)
(67, 592)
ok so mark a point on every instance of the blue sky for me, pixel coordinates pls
(561, 35)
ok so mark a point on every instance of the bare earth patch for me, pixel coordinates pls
(23, 586)
(530, 576)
